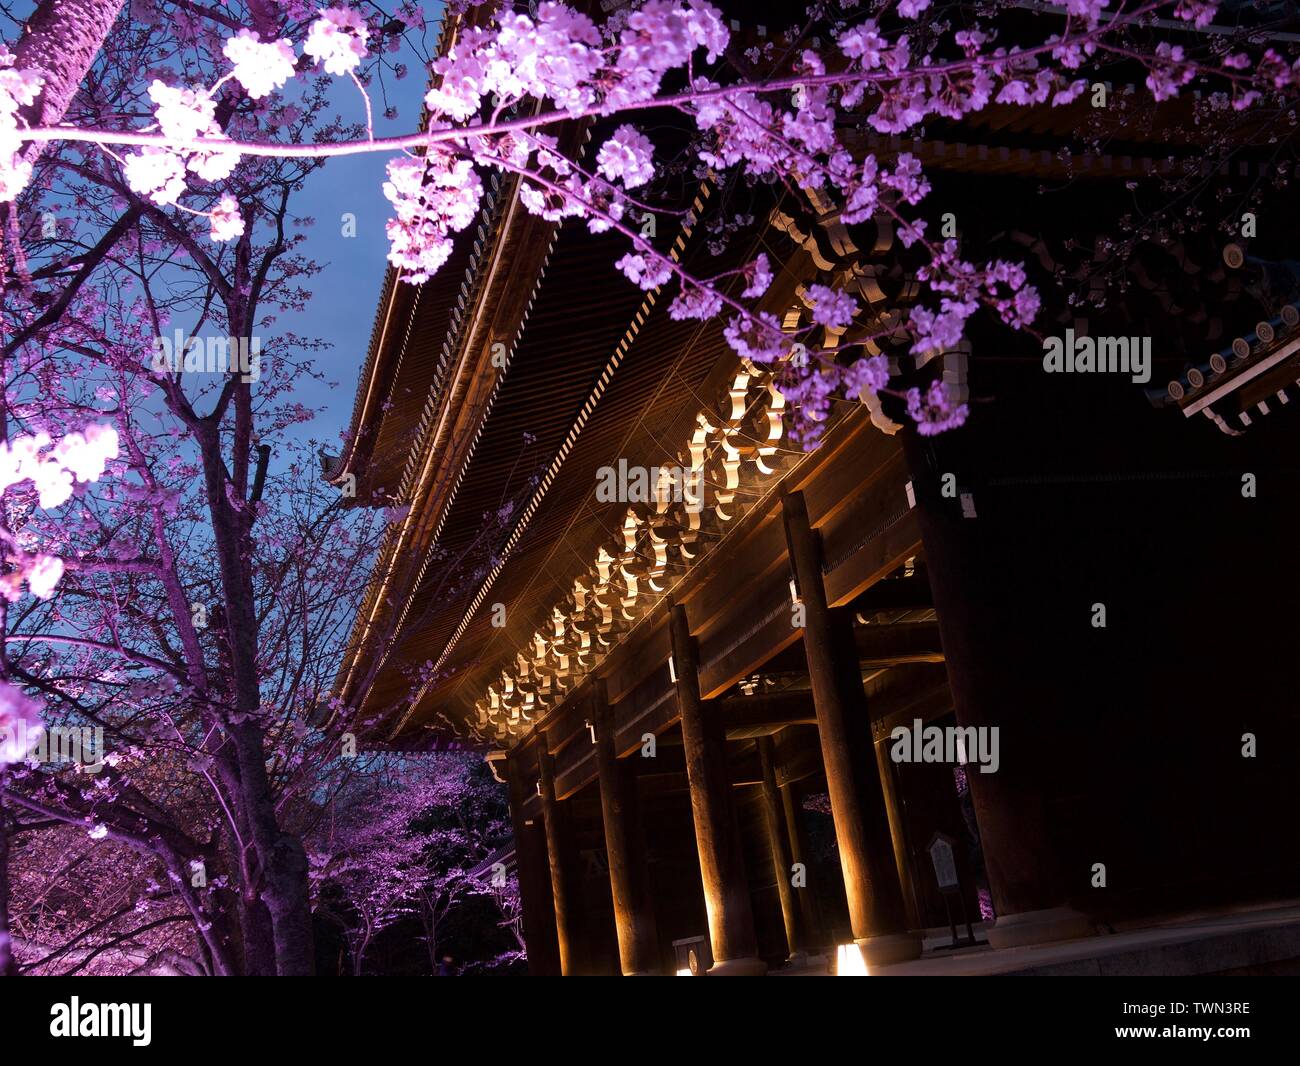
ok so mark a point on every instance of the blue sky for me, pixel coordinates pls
(342, 311)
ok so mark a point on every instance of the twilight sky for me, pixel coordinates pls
(347, 289)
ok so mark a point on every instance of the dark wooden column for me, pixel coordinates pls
(533, 872)
(779, 843)
(990, 689)
(717, 836)
(629, 881)
(814, 930)
(866, 848)
(898, 832)
(560, 853)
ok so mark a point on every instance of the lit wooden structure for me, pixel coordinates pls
(681, 690)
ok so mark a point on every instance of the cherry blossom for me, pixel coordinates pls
(677, 29)
(337, 39)
(867, 375)
(183, 114)
(432, 197)
(157, 174)
(18, 88)
(227, 223)
(212, 164)
(1169, 72)
(934, 410)
(626, 155)
(831, 308)
(864, 44)
(757, 337)
(907, 179)
(261, 67)
(695, 302)
(1200, 12)
(43, 575)
(86, 454)
(863, 195)
(80, 456)
(1088, 10)
(554, 57)
(758, 274)
(644, 270)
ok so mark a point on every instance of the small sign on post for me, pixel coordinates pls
(945, 874)
(945, 863)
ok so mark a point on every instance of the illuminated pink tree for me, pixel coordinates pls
(399, 839)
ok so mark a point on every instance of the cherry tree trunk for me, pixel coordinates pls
(8, 964)
(61, 40)
(282, 861)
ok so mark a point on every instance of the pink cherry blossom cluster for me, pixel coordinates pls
(337, 39)
(963, 289)
(627, 157)
(81, 456)
(432, 197)
(41, 573)
(18, 89)
(184, 116)
(558, 55)
(1169, 72)
(558, 189)
(757, 336)
(830, 307)
(694, 301)
(933, 411)
(226, 221)
(815, 390)
(659, 37)
(261, 67)
(648, 271)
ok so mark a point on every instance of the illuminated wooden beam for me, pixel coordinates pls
(717, 837)
(558, 850)
(871, 886)
(779, 845)
(629, 881)
(533, 872)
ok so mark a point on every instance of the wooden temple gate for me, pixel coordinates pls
(690, 690)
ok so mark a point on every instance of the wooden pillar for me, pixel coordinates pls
(779, 843)
(629, 881)
(810, 912)
(1029, 888)
(559, 852)
(894, 806)
(717, 836)
(534, 876)
(876, 910)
